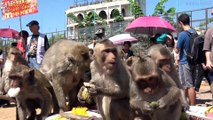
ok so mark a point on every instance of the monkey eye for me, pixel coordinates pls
(112, 50)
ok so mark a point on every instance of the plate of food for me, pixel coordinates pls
(78, 113)
(205, 113)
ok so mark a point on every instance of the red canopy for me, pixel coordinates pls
(9, 33)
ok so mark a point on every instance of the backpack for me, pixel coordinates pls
(195, 53)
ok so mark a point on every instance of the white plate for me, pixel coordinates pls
(90, 113)
(198, 112)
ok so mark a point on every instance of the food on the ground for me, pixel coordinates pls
(60, 118)
(86, 96)
(154, 104)
(209, 112)
(80, 111)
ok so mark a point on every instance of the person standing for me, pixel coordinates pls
(126, 50)
(185, 68)
(22, 42)
(208, 48)
(37, 45)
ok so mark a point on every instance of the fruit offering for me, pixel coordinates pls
(86, 96)
(154, 104)
(80, 111)
(209, 112)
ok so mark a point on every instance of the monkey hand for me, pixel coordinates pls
(146, 106)
(84, 96)
(92, 90)
(161, 103)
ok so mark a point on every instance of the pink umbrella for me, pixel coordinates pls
(121, 38)
(149, 25)
(9, 33)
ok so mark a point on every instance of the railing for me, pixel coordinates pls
(86, 35)
(200, 18)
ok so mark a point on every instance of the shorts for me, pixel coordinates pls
(185, 76)
(33, 63)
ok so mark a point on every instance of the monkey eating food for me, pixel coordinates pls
(154, 95)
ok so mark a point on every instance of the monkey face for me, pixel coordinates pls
(21, 76)
(147, 84)
(109, 56)
(13, 54)
(165, 64)
(15, 81)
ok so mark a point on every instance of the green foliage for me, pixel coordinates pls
(89, 19)
(136, 9)
(202, 24)
(115, 13)
(119, 18)
(167, 14)
(74, 18)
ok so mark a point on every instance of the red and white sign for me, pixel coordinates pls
(15, 8)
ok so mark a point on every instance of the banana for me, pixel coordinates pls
(209, 110)
(86, 96)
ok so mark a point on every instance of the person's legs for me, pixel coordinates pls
(189, 87)
(211, 80)
(33, 63)
(198, 77)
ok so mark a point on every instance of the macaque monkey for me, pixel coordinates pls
(164, 59)
(154, 95)
(31, 90)
(14, 57)
(110, 82)
(64, 64)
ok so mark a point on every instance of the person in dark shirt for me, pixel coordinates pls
(126, 50)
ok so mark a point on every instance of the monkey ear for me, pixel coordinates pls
(129, 61)
(31, 76)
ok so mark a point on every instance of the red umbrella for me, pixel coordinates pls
(9, 33)
(149, 25)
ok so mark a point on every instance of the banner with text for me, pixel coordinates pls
(15, 8)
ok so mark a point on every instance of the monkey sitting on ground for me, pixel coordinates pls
(164, 59)
(110, 82)
(33, 92)
(154, 95)
(64, 64)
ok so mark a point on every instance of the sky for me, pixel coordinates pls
(51, 13)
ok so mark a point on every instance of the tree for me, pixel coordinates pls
(89, 19)
(135, 9)
(202, 24)
(166, 14)
(117, 16)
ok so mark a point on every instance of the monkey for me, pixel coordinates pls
(153, 93)
(33, 92)
(14, 57)
(64, 64)
(164, 59)
(109, 82)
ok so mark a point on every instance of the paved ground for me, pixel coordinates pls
(204, 98)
